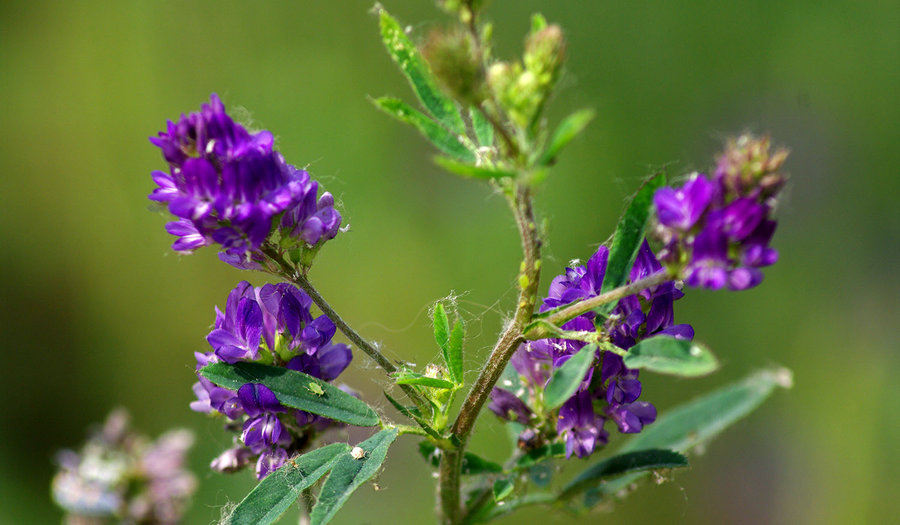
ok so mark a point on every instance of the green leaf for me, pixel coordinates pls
(440, 137)
(484, 131)
(567, 378)
(669, 355)
(696, 422)
(454, 358)
(416, 70)
(642, 460)
(502, 489)
(441, 325)
(411, 412)
(414, 414)
(472, 464)
(533, 457)
(568, 129)
(629, 234)
(471, 171)
(349, 473)
(278, 491)
(412, 378)
(294, 389)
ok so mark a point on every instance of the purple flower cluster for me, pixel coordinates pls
(122, 476)
(230, 187)
(717, 232)
(609, 391)
(271, 324)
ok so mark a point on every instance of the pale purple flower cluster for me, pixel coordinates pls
(609, 391)
(122, 477)
(271, 324)
(717, 232)
(230, 187)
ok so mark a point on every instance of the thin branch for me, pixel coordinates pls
(295, 277)
(541, 330)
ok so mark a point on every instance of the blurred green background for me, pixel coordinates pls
(97, 312)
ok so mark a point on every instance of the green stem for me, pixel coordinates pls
(298, 279)
(509, 340)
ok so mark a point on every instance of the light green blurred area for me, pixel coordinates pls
(97, 312)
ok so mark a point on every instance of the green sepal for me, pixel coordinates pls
(417, 72)
(471, 171)
(642, 460)
(567, 378)
(628, 237)
(294, 389)
(442, 139)
(567, 130)
(669, 355)
(280, 489)
(349, 472)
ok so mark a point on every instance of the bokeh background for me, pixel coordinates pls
(97, 312)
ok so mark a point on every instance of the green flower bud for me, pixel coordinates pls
(545, 52)
(456, 63)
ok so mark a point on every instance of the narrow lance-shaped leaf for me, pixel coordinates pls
(414, 414)
(568, 129)
(567, 378)
(669, 355)
(412, 378)
(629, 234)
(294, 389)
(441, 325)
(416, 70)
(455, 355)
(484, 131)
(349, 472)
(642, 460)
(471, 171)
(696, 422)
(278, 491)
(437, 135)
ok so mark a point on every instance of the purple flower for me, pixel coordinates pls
(507, 406)
(270, 324)
(579, 426)
(608, 390)
(230, 187)
(682, 208)
(716, 233)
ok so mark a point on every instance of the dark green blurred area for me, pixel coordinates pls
(97, 312)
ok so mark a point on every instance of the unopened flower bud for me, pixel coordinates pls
(455, 61)
(545, 52)
(747, 165)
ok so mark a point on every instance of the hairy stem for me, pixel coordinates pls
(500, 355)
(298, 279)
(558, 318)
